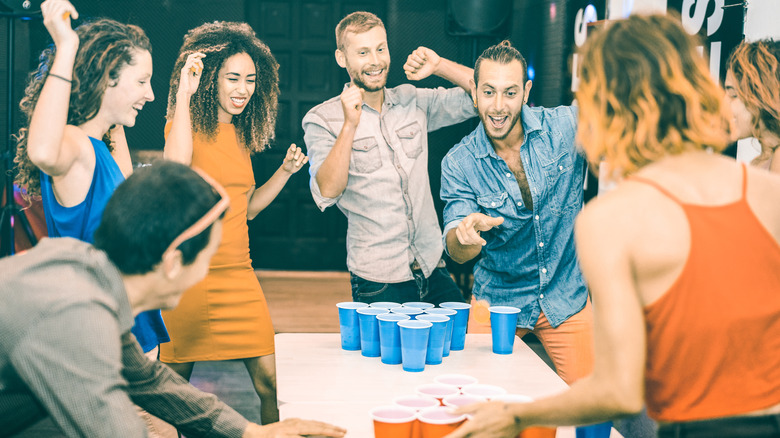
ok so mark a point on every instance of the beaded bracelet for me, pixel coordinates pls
(60, 77)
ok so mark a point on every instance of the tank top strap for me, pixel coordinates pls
(655, 185)
(744, 181)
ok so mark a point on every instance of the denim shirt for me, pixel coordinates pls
(530, 260)
(391, 220)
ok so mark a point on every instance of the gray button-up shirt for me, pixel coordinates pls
(66, 350)
(391, 220)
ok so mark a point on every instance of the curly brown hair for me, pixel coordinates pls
(646, 93)
(219, 41)
(105, 48)
(756, 68)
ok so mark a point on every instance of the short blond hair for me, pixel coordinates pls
(646, 93)
(356, 22)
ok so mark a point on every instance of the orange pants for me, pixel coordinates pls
(570, 345)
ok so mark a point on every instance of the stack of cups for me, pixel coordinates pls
(413, 334)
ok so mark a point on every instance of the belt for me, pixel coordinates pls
(415, 265)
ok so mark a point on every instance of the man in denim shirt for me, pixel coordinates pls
(368, 154)
(512, 190)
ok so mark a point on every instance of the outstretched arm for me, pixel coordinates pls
(424, 62)
(263, 195)
(178, 143)
(47, 145)
(464, 242)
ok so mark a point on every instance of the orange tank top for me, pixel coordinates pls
(713, 340)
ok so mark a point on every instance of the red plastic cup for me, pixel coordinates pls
(459, 380)
(458, 400)
(393, 421)
(437, 391)
(438, 422)
(417, 402)
(481, 390)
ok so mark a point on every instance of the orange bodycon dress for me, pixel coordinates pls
(225, 316)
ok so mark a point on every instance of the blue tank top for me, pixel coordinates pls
(81, 221)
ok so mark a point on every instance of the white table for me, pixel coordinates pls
(318, 380)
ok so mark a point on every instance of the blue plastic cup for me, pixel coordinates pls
(460, 323)
(349, 325)
(385, 305)
(503, 323)
(601, 430)
(369, 331)
(411, 311)
(414, 344)
(390, 337)
(436, 338)
(448, 334)
(418, 304)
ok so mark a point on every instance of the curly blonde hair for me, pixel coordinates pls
(105, 48)
(219, 41)
(756, 68)
(646, 93)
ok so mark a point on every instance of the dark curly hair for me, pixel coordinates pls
(105, 47)
(219, 41)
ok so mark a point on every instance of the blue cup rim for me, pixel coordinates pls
(440, 311)
(455, 305)
(393, 317)
(418, 304)
(385, 304)
(415, 324)
(406, 310)
(433, 317)
(351, 305)
(504, 309)
(371, 311)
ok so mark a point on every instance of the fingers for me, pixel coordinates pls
(58, 8)
(467, 235)
(194, 63)
(296, 157)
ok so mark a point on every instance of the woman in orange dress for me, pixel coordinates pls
(222, 107)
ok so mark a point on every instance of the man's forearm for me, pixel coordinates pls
(458, 252)
(458, 74)
(332, 176)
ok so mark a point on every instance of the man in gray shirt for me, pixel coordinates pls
(66, 309)
(368, 154)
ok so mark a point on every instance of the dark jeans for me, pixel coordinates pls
(731, 427)
(436, 289)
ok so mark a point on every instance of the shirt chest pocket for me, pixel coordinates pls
(366, 156)
(494, 204)
(411, 139)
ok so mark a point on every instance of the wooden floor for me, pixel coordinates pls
(299, 302)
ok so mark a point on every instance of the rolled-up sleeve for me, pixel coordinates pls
(445, 106)
(165, 394)
(319, 142)
(457, 195)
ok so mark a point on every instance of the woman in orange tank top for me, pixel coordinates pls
(222, 107)
(682, 257)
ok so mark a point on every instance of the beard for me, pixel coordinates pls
(358, 81)
(503, 132)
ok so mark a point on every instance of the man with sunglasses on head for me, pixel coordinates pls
(66, 309)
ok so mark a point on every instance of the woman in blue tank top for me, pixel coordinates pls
(88, 85)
